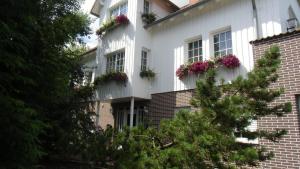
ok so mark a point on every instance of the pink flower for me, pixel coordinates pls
(182, 71)
(230, 61)
(199, 67)
(122, 19)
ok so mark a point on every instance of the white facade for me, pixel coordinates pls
(167, 41)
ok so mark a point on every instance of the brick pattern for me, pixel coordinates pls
(287, 151)
(164, 105)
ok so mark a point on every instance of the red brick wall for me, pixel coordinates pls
(287, 151)
(164, 105)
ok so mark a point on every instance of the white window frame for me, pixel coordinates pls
(192, 49)
(146, 6)
(222, 43)
(252, 127)
(144, 59)
(117, 10)
(115, 62)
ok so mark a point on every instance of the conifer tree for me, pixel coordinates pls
(207, 138)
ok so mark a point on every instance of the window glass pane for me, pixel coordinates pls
(200, 43)
(223, 53)
(115, 12)
(228, 35)
(196, 52)
(190, 46)
(228, 44)
(196, 44)
(200, 51)
(217, 53)
(222, 46)
(123, 9)
(216, 38)
(222, 37)
(190, 54)
(229, 51)
(146, 6)
(216, 47)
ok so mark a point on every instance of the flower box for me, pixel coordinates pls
(229, 61)
(147, 74)
(148, 18)
(112, 24)
(119, 77)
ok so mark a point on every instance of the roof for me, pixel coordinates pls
(275, 36)
(182, 10)
(96, 8)
(99, 3)
(89, 52)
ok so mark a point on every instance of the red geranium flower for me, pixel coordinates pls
(122, 19)
(199, 67)
(230, 61)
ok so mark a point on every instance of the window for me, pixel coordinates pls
(252, 128)
(144, 60)
(123, 116)
(195, 51)
(88, 77)
(222, 44)
(119, 10)
(146, 6)
(115, 62)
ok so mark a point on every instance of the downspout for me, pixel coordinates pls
(255, 19)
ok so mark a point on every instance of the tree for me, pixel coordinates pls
(207, 138)
(40, 113)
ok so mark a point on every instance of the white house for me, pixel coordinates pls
(198, 31)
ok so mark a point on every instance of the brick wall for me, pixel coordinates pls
(164, 105)
(287, 151)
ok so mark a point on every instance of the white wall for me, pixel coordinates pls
(168, 40)
(121, 38)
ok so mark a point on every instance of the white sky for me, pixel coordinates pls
(91, 40)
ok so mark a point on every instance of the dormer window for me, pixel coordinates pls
(146, 6)
(119, 10)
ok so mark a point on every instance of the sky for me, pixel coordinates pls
(91, 40)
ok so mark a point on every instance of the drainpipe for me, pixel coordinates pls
(131, 111)
(255, 19)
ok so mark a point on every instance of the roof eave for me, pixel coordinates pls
(177, 13)
(96, 8)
